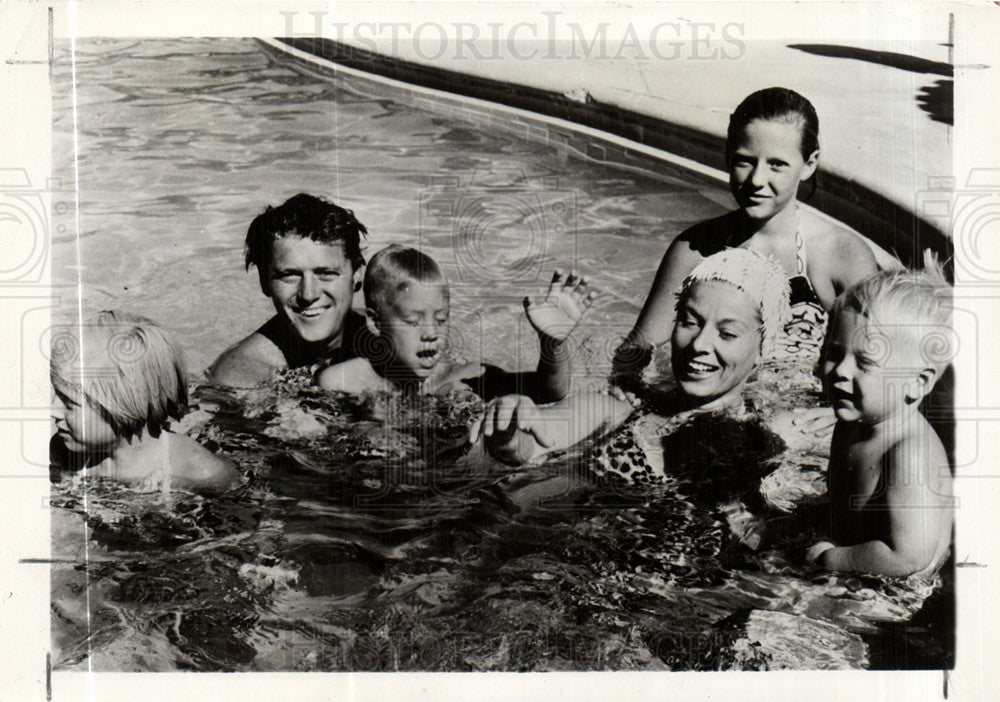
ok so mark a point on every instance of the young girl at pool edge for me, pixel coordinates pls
(772, 147)
(119, 382)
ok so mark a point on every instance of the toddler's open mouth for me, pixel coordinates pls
(841, 397)
(428, 357)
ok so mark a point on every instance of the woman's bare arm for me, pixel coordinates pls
(656, 320)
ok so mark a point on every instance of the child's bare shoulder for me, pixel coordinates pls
(194, 466)
(919, 460)
(247, 363)
(919, 440)
(452, 374)
(829, 238)
(189, 465)
(463, 370)
(355, 375)
(831, 245)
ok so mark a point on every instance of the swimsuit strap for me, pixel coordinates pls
(800, 247)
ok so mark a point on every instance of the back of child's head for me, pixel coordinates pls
(760, 277)
(392, 270)
(909, 307)
(128, 367)
(775, 104)
(304, 216)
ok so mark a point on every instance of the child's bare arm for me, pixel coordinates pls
(353, 376)
(515, 429)
(656, 319)
(918, 499)
(554, 319)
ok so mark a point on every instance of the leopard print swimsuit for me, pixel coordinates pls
(702, 448)
(630, 454)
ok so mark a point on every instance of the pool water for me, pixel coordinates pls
(183, 142)
(370, 535)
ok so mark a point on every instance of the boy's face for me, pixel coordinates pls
(715, 343)
(415, 322)
(867, 373)
(82, 428)
(312, 286)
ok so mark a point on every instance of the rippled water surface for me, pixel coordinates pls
(370, 536)
(182, 143)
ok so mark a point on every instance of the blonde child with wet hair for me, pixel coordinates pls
(119, 383)
(891, 504)
(407, 309)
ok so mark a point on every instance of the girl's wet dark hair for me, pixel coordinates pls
(780, 104)
(307, 216)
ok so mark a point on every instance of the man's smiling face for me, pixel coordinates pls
(312, 285)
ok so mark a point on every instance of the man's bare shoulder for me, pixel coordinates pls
(354, 376)
(247, 363)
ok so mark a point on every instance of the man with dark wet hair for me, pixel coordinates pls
(308, 255)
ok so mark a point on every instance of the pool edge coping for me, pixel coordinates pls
(897, 234)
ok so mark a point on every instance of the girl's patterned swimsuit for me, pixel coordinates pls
(802, 337)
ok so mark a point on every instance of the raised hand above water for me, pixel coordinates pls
(565, 303)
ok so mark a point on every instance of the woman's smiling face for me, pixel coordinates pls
(715, 343)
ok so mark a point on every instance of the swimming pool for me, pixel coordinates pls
(411, 559)
(183, 142)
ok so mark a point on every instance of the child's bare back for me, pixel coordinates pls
(169, 461)
(114, 411)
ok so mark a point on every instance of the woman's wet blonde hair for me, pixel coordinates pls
(760, 277)
(126, 367)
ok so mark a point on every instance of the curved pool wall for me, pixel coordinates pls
(605, 133)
